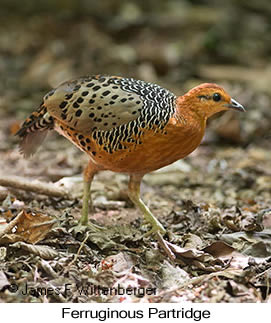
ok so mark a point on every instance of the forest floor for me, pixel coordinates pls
(215, 204)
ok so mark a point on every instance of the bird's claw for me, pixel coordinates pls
(156, 228)
(81, 227)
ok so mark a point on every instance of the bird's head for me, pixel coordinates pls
(207, 99)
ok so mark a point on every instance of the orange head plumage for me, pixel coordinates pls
(207, 99)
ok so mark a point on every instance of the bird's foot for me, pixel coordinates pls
(83, 227)
(159, 231)
(156, 228)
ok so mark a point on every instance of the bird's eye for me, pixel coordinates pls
(216, 97)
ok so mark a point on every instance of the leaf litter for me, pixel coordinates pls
(215, 204)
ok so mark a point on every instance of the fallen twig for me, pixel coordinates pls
(36, 186)
(79, 250)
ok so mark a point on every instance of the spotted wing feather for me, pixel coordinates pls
(103, 103)
(93, 103)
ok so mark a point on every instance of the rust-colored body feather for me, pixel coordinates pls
(125, 125)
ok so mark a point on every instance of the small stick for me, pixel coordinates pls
(32, 186)
(79, 250)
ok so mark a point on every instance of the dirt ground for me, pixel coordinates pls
(215, 204)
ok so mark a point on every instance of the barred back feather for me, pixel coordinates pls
(33, 131)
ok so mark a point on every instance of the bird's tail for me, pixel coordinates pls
(34, 129)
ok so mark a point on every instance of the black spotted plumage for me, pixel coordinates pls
(110, 107)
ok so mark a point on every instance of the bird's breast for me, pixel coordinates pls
(153, 150)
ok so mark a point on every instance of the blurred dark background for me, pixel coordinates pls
(175, 43)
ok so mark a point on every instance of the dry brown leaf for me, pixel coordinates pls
(198, 258)
(44, 252)
(214, 257)
(223, 251)
(28, 226)
(255, 244)
(219, 249)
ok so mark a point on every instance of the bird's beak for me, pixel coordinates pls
(235, 106)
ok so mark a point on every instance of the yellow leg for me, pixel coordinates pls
(87, 203)
(89, 173)
(134, 195)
